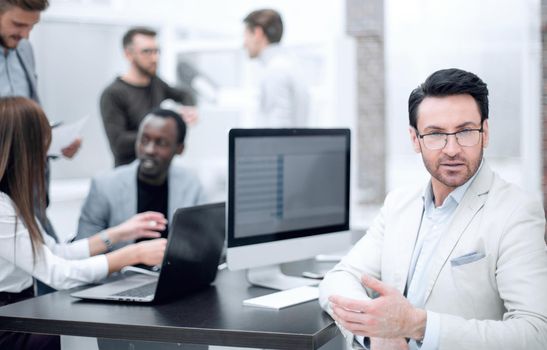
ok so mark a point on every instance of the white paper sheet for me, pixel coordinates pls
(64, 134)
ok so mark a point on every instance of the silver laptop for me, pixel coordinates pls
(194, 247)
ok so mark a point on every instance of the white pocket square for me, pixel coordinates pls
(466, 259)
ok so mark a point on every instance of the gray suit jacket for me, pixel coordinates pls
(112, 198)
(497, 300)
(26, 55)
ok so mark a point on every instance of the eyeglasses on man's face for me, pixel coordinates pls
(438, 140)
(147, 51)
(150, 51)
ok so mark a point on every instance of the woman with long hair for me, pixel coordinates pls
(25, 252)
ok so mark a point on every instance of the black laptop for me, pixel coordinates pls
(194, 247)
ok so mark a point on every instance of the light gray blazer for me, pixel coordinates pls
(112, 198)
(26, 55)
(497, 300)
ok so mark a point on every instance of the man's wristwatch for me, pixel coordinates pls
(106, 240)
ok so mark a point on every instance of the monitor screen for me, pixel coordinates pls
(287, 183)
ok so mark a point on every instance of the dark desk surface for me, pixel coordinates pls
(214, 316)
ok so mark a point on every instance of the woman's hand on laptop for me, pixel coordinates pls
(143, 225)
(151, 252)
(146, 252)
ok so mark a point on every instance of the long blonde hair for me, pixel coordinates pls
(25, 136)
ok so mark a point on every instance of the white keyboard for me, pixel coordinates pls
(285, 298)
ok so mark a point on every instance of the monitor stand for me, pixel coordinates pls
(272, 277)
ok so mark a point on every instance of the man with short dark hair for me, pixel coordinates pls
(126, 101)
(284, 100)
(150, 183)
(458, 264)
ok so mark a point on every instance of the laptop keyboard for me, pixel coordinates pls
(139, 292)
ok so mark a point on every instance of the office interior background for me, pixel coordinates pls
(360, 60)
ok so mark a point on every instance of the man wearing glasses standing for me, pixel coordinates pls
(459, 264)
(126, 101)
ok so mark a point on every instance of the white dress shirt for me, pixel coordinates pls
(60, 266)
(284, 100)
(435, 221)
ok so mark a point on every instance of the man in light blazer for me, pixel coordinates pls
(459, 264)
(150, 183)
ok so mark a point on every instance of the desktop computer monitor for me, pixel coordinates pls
(288, 200)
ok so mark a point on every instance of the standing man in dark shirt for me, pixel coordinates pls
(126, 101)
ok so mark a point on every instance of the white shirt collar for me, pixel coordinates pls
(269, 52)
(456, 195)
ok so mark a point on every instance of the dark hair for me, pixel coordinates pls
(168, 113)
(130, 34)
(448, 82)
(27, 5)
(25, 136)
(270, 22)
